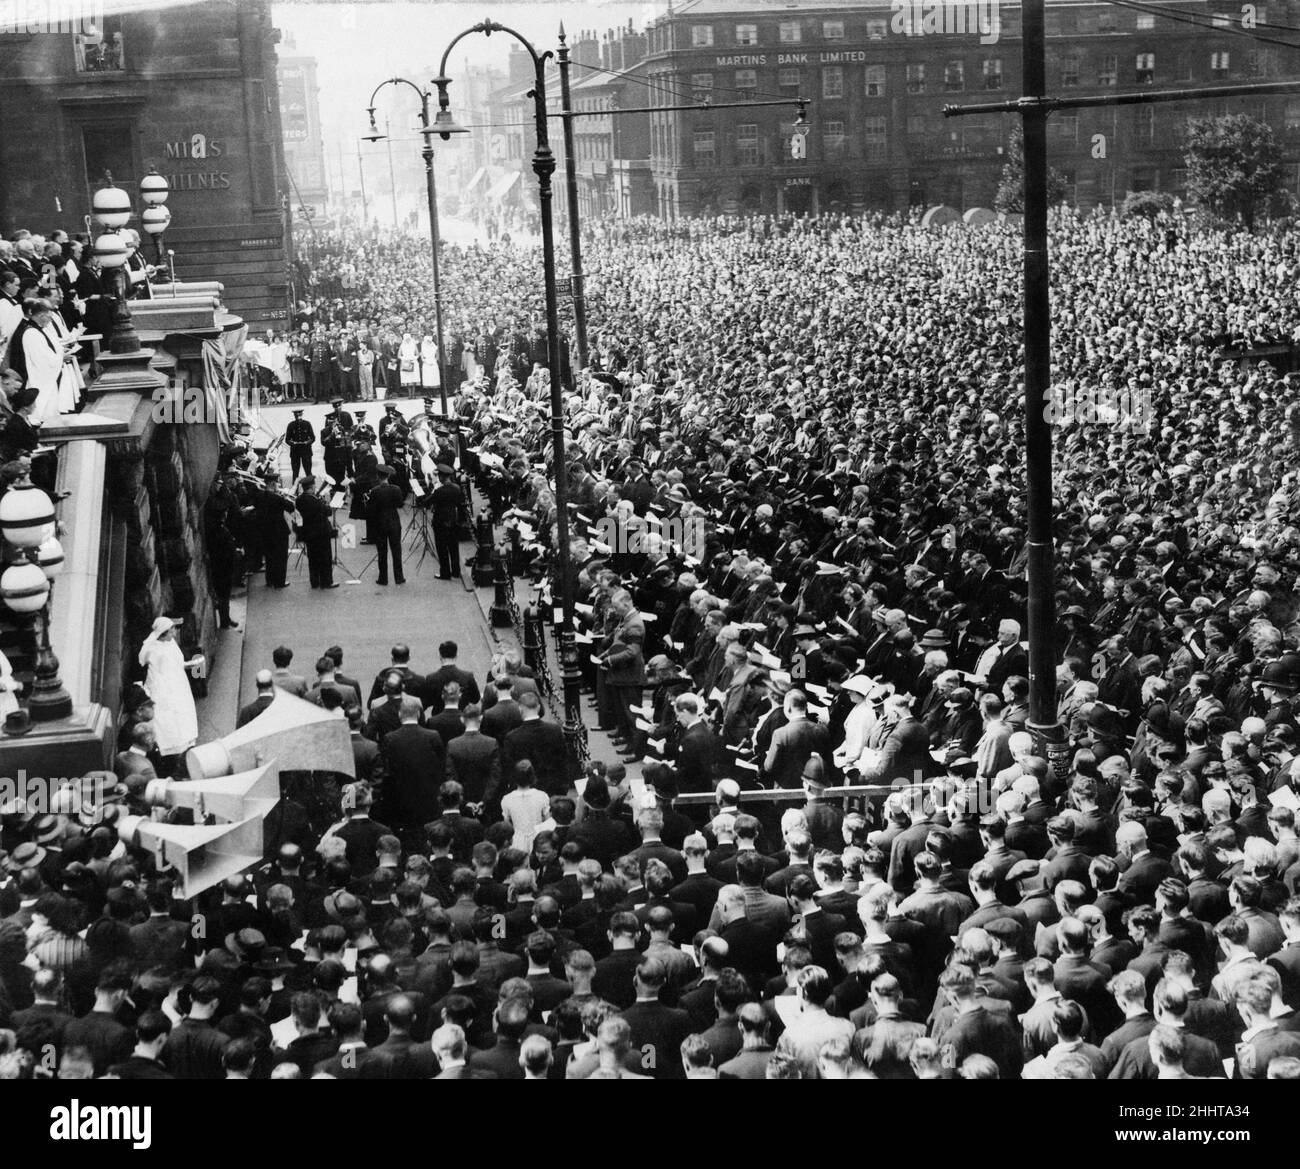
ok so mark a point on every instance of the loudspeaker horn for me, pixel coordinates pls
(228, 798)
(297, 734)
(202, 856)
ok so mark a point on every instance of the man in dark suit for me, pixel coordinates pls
(819, 927)
(614, 977)
(1006, 657)
(657, 1030)
(504, 715)
(502, 1058)
(795, 743)
(446, 719)
(265, 696)
(449, 671)
(414, 761)
(384, 523)
(697, 749)
(400, 665)
(751, 948)
(1145, 871)
(1068, 861)
(159, 940)
(541, 743)
(904, 751)
(474, 760)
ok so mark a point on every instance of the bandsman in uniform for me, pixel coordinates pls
(299, 438)
(448, 505)
(363, 431)
(272, 509)
(336, 438)
(394, 433)
(384, 524)
(317, 533)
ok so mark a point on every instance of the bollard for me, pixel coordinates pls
(483, 568)
(534, 640)
(500, 610)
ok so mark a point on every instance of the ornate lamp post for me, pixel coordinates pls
(544, 167)
(155, 218)
(27, 522)
(111, 208)
(431, 194)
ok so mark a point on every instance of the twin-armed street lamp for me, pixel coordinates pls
(575, 732)
(432, 194)
(111, 209)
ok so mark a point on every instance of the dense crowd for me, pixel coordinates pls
(798, 548)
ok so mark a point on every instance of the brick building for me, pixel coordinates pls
(191, 91)
(877, 76)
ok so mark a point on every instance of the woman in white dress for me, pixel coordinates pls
(409, 356)
(429, 356)
(175, 719)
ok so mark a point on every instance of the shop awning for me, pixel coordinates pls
(502, 185)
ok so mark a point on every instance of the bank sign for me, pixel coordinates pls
(193, 164)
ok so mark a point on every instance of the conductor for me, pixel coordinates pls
(446, 503)
(385, 523)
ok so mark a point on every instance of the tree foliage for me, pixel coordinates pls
(1011, 189)
(1234, 168)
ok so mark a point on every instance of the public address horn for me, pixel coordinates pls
(297, 734)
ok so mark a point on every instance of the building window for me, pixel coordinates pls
(875, 30)
(1145, 125)
(916, 124)
(874, 138)
(954, 76)
(1293, 115)
(1069, 70)
(789, 77)
(1222, 20)
(1145, 23)
(1219, 64)
(102, 50)
(791, 32)
(1183, 67)
(701, 36)
(832, 30)
(916, 78)
(1262, 63)
(992, 72)
(701, 86)
(746, 34)
(109, 150)
(747, 144)
(1066, 126)
(833, 81)
(1107, 21)
(705, 149)
(833, 140)
(1107, 70)
(1145, 68)
(875, 81)
(746, 79)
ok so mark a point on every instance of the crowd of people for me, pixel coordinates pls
(798, 529)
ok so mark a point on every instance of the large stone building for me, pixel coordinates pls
(304, 146)
(190, 91)
(877, 75)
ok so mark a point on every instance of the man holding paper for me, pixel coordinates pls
(622, 659)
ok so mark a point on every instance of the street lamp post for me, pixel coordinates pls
(111, 207)
(577, 278)
(27, 519)
(431, 193)
(575, 732)
(155, 218)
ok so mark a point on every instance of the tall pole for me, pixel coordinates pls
(1038, 430)
(571, 185)
(361, 176)
(575, 733)
(392, 178)
(431, 192)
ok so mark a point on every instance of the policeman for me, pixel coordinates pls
(336, 438)
(321, 358)
(447, 504)
(299, 437)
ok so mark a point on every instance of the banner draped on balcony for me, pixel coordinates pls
(222, 376)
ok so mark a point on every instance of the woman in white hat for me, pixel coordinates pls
(175, 719)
